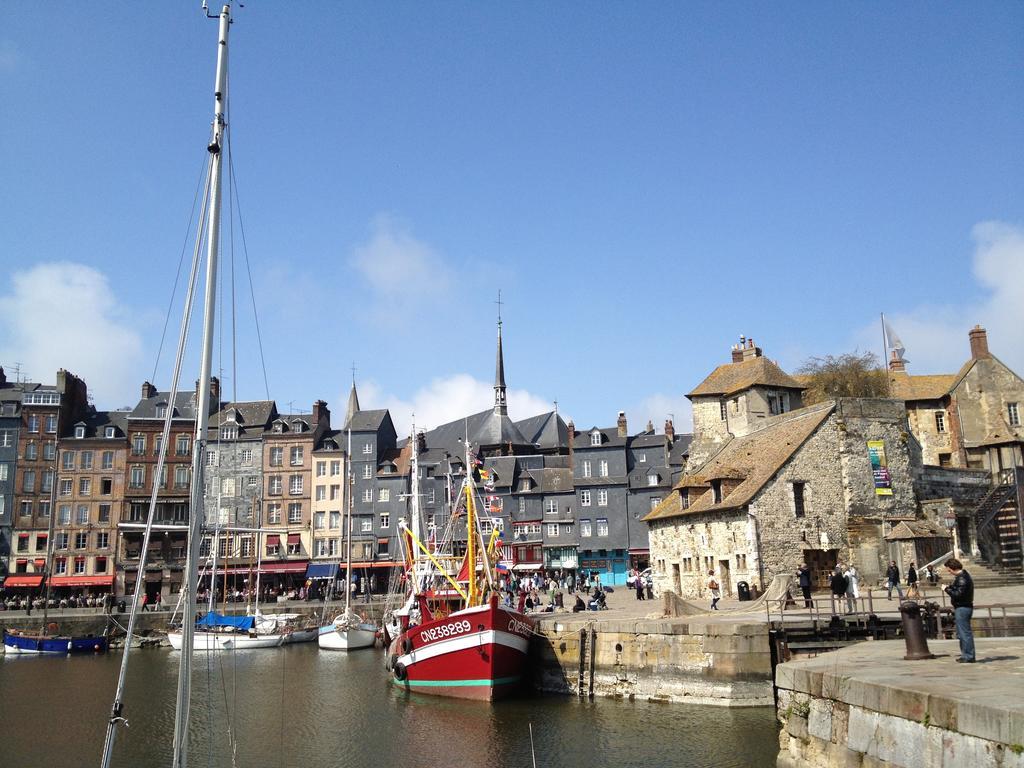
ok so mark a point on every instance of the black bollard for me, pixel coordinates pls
(913, 632)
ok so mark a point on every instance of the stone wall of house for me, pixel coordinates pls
(924, 425)
(982, 401)
(709, 429)
(783, 535)
(697, 543)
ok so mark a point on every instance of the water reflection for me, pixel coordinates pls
(297, 706)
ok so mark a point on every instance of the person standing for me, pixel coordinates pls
(912, 590)
(649, 586)
(803, 576)
(838, 583)
(716, 593)
(892, 581)
(156, 601)
(638, 583)
(852, 588)
(961, 594)
(145, 601)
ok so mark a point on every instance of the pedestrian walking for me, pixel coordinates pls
(716, 593)
(639, 584)
(145, 602)
(912, 590)
(649, 586)
(803, 577)
(961, 594)
(156, 601)
(892, 581)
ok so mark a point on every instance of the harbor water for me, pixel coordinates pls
(298, 706)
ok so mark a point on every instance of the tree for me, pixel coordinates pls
(853, 374)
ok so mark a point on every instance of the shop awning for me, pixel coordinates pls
(294, 566)
(322, 570)
(527, 566)
(40, 563)
(19, 580)
(82, 581)
(294, 538)
(383, 540)
(639, 551)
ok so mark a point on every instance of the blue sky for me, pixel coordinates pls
(644, 183)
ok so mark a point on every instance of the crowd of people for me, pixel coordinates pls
(28, 603)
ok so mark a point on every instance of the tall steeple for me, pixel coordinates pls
(353, 400)
(500, 404)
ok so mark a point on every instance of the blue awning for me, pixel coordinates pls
(322, 570)
(217, 620)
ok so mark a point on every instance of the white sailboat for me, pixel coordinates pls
(348, 631)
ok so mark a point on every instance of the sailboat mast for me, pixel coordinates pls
(181, 718)
(348, 524)
(417, 530)
(470, 530)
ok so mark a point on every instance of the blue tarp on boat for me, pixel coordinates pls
(217, 620)
(322, 570)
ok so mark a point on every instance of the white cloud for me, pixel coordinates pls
(657, 408)
(64, 315)
(446, 399)
(936, 335)
(401, 270)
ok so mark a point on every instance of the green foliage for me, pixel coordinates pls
(852, 374)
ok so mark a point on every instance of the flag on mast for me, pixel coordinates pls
(894, 343)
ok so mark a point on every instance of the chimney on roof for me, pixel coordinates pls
(621, 424)
(321, 413)
(3, 376)
(750, 351)
(215, 392)
(148, 390)
(570, 429)
(421, 441)
(650, 426)
(897, 364)
(737, 351)
(979, 343)
(670, 429)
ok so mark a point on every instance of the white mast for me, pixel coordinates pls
(348, 525)
(417, 528)
(181, 717)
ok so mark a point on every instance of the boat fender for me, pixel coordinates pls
(392, 660)
(399, 671)
(407, 645)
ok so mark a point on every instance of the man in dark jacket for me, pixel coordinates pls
(892, 581)
(803, 576)
(961, 594)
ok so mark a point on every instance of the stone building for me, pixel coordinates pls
(44, 413)
(165, 560)
(287, 470)
(822, 484)
(233, 486)
(90, 502)
(968, 419)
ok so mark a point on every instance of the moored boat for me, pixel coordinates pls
(475, 653)
(216, 632)
(347, 633)
(35, 644)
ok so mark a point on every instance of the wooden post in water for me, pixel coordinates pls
(583, 656)
(593, 653)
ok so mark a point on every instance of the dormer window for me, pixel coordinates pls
(109, 432)
(652, 478)
(232, 416)
(299, 425)
(641, 458)
(684, 498)
(79, 431)
(229, 432)
(161, 411)
(595, 438)
(278, 427)
(716, 491)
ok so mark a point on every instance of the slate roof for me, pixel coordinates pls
(638, 477)
(184, 405)
(753, 459)
(731, 378)
(253, 417)
(680, 449)
(609, 438)
(648, 440)
(96, 422)
(366, 421)
(551, 480)
(498, 429)
(546, 430)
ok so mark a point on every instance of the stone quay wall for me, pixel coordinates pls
(867, 707)
(692, 661)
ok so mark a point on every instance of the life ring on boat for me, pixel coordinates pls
(399, 671)
(407, 645)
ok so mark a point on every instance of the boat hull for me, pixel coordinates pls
(226, 641)
(331, 638)
(478, 653)
(36, 645)
(301, 636)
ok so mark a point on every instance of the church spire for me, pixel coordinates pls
(353, 400)
(500, 404)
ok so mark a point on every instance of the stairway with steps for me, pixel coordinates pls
(998, 531)
(985, 575)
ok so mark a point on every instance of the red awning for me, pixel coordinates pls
(273, 540)
(639, 551)
(41, 562)
(23, 581)
(294, 538)
(383, 540)
(82, 581)
(292, 566)
(22, 535)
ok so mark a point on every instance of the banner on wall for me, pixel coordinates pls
(880, 468)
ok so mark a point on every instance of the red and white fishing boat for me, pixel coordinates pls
(455, 637)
